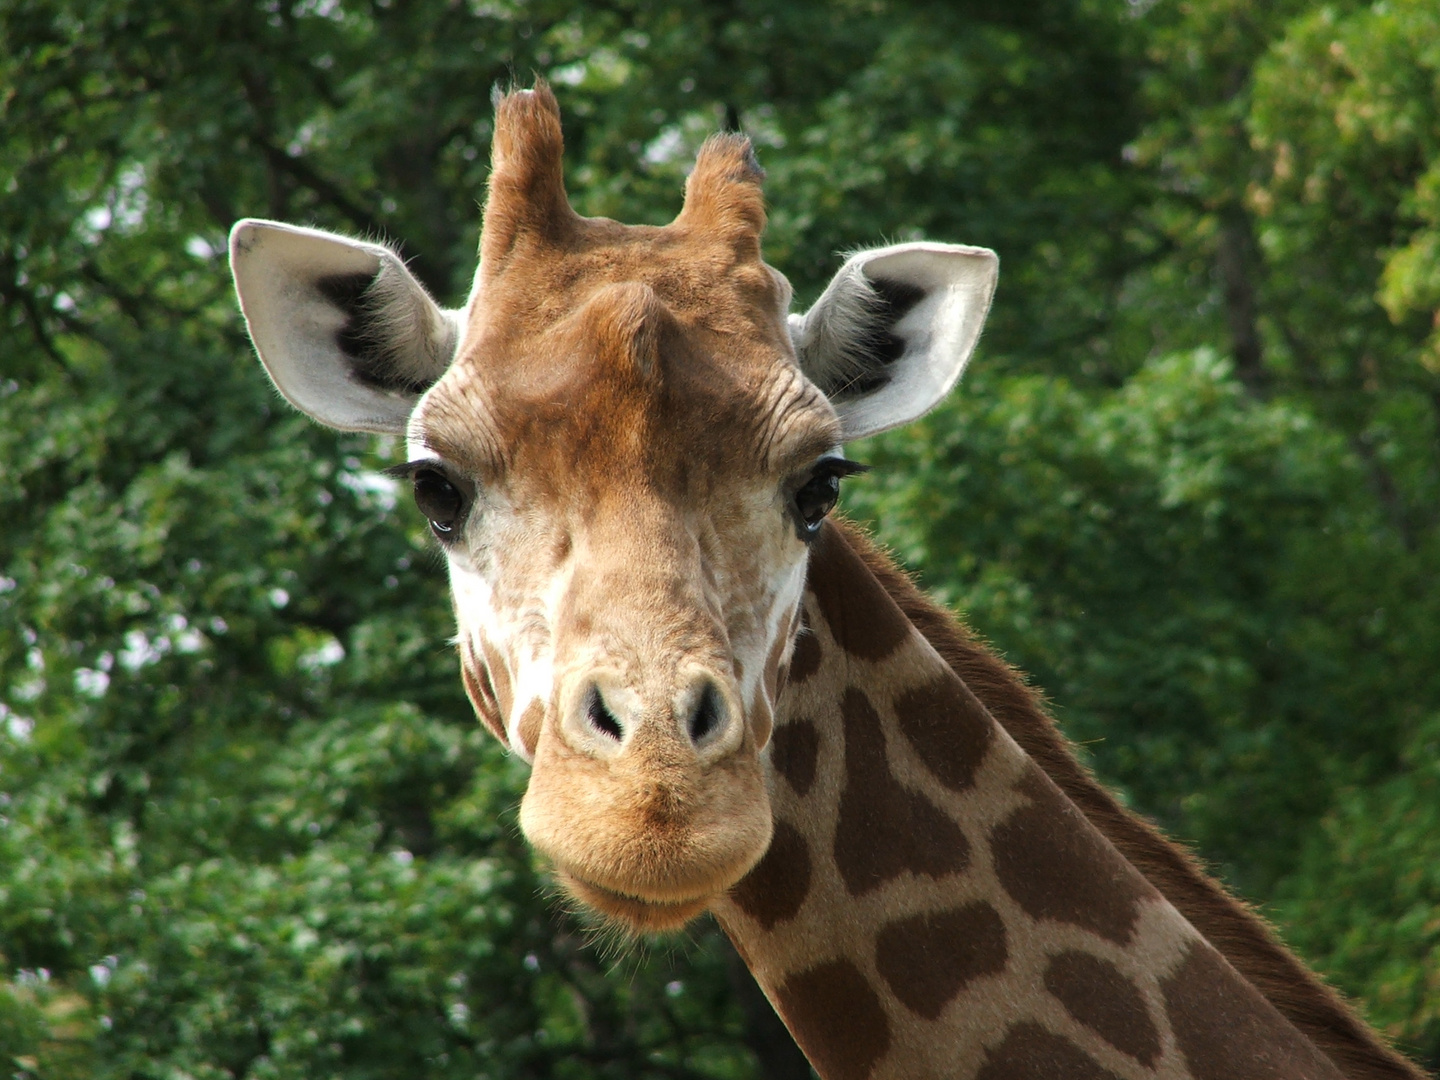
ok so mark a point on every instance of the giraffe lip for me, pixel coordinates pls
(635, 913)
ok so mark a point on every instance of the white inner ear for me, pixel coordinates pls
(296, 328)
(939, 332)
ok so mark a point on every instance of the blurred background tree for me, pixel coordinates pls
(248, 826)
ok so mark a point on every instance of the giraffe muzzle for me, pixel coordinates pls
(649, 806)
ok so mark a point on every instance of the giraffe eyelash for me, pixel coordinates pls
(840, 468)
(408, 470)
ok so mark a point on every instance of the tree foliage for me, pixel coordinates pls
(248, 826)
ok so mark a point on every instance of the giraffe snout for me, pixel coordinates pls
(648, 796)
(700, 715)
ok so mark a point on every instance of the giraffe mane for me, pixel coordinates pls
(1238, 931)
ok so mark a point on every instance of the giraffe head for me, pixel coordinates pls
(623, 444)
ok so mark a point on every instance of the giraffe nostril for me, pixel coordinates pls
(601, 718)
(706, 717)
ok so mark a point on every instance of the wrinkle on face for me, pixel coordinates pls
(798, 426)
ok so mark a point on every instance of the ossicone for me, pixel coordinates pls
(724, 195)
(527, 177)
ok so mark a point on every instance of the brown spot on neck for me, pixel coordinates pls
(1226, 1029)
(885, 829)
(1097, 995)
(794, 753)
(860, 614)
(837, 1019)
(928, 959)
(805, 660)
(1029, 1052)
(773, 892)
(1057, 865)
(948, 727)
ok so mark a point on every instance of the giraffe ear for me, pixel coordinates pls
(345, 331)
(891, 334)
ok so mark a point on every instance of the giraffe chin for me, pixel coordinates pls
(634, 914)
(649, 836)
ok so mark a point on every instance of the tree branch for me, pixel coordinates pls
(1234, 261)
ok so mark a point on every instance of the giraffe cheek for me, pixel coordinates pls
(528, 729)
(498, 673)
(482, 695)
(762, 721)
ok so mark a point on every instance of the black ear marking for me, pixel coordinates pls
(901, 296)
(880, 346)
(362, 339)
(346, 291)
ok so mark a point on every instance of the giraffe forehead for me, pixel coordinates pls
(695, 272)
(579, 418)
(645, 346)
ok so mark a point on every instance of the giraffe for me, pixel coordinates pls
(629, 451)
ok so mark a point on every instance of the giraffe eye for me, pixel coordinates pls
(439, 500)
(814, 500)
(816, 497)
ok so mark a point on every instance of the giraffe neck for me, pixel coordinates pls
(933, 905)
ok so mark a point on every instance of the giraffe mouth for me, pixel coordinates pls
(633, 912)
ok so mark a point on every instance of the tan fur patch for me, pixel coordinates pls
(531, 721)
